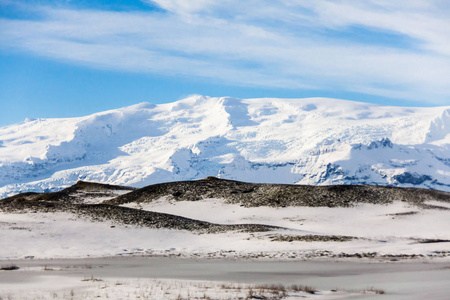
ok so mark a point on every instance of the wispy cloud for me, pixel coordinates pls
(287, 44)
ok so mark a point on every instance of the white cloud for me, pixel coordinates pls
(287, 44)
(183, 6)
(426, 21)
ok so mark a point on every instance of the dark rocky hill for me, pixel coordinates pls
(84, 199)
(72, 200)
(278, 195)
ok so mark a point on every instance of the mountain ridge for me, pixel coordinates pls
(314, 141)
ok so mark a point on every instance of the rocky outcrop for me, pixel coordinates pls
(278, 195)
(70, 200)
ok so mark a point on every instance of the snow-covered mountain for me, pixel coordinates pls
(305, 141)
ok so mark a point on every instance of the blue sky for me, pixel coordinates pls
(65, 58)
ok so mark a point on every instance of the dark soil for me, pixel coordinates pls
(311, 238)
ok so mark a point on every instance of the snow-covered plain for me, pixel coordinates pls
(363, 220)
(389, 230)
(304, 141)
(66, 256)
(162, 278)
(97, 288)
(174, 278)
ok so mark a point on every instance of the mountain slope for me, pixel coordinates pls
(306, 141)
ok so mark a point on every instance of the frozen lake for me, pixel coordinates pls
(400, 280)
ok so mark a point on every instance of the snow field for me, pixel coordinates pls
(386, 229)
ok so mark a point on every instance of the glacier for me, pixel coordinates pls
(316, 141)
